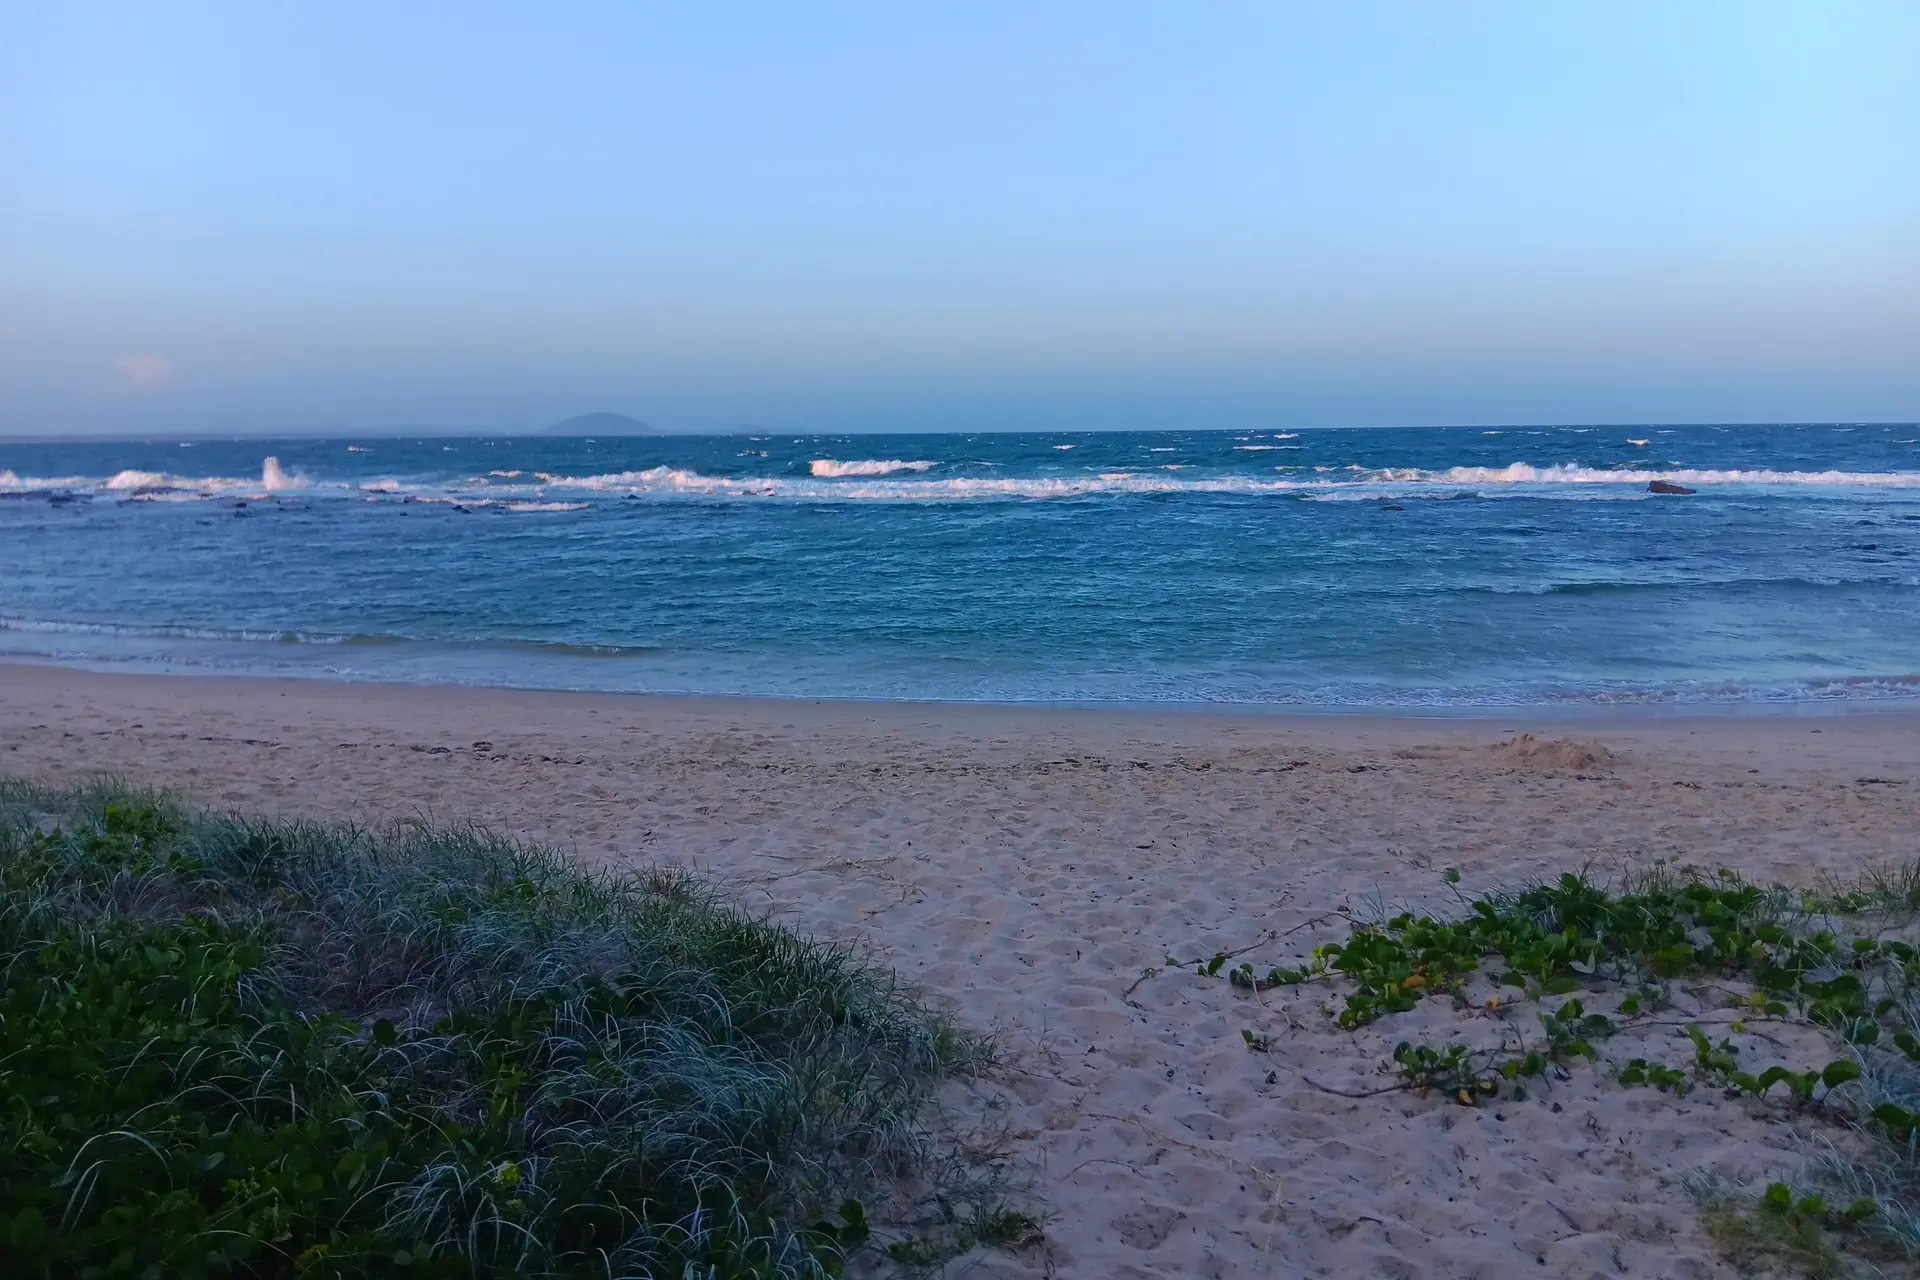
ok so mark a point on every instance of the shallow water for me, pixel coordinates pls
(1431, 567)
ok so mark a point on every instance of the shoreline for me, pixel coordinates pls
(1558, 715)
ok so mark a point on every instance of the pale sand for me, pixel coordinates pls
(1025, 865)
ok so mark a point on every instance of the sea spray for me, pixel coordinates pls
(272, 478)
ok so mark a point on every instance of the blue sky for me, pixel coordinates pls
(896, 217)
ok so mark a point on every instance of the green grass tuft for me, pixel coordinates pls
(242, 1047)
(1760, 1234)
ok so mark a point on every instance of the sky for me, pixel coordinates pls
(1060, 216)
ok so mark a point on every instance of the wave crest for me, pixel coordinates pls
(902, 480)
(1573, 473)
(829, 468)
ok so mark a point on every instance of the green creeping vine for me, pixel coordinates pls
(1569, 934)
(1902, 1124)
(1471, 1077)
(1844, 963)
(1553, 938)
(1717, 1064)
(1778, 1200)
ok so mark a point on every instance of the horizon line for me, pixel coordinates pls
(455, 433)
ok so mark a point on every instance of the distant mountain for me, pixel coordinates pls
(601, 424)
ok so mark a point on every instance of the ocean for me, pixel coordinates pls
(1423, 568)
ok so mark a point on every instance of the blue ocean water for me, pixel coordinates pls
(1430, 567)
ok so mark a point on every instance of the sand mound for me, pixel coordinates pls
(1557, 753)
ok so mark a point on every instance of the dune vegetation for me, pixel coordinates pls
(232, 1046)
(1801, 1003)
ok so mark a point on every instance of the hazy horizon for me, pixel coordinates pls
(403, 432)
(229, 221)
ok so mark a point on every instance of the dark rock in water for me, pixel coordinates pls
(1661, 486)
(1392, 506)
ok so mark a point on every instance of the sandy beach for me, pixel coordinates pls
(1026, 867)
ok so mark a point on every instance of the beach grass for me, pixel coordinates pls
(240, 1046)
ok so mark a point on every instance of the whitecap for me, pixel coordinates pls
(1573, 473)
(828, 468)
(1563, 481)
(272, 477)
(131, 479)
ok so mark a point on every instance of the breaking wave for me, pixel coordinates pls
(1572, 473)
(273, 478)
(869, 480)
(828, 468)
(900, 480)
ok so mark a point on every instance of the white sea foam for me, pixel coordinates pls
(12, 483)
(893, 480)
(829, 468)
(138, 480)
(548, 506)
(673, 480)
(273, 478)
(1572, 473)
(161, 632)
